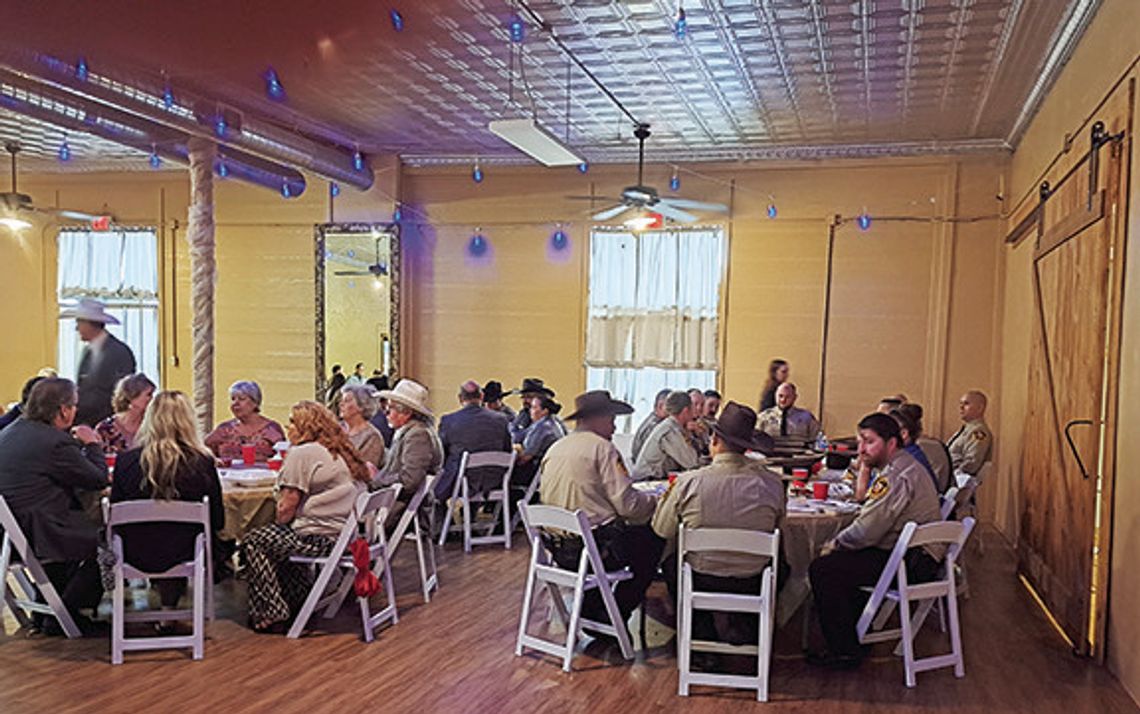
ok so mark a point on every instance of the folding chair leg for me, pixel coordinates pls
(764, 651)
(118, 624)
(199, 605)
(426, 580)
(572, 630)
(528, 595)
(314, 596)
(685, 634)
(465, 499)
(617, 620)
(907, 640)
(955, 636)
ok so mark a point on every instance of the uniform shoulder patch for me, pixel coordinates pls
(979, 435)
(621, 466)
(879, 489)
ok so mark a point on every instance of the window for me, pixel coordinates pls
(653, 307)
(119, 268)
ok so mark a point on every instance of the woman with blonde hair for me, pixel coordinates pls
(171, 464)
(120, 430)
(317, 488)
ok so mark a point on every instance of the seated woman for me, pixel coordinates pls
(317, 488)
(171, 464)
(416, 450)
(248, 427)
(357, 406)
(543, 432)
(119, 431)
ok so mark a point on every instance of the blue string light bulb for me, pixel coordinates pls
(64, 150)
(168, 97)
(397, 213)
(220, 125)
(477, 246)
(358, 160)
(680, 23)
(516, 28)
(559, 240)
(223, 170)
(397, 20)
(285, 190)
(334, 189)
(771, 207)
(273, 87)
(81, 69)
(477, 173)
(583, 167)
(863, 221)
(155, 159)
(674, 181)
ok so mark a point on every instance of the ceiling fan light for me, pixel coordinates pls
(16, 224)
(643, 221)
(534, 141)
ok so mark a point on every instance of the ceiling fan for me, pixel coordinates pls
(646, 198)
(376, 269)
(17, 208)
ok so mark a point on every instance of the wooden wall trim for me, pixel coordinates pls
(939, 301)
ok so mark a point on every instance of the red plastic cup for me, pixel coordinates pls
(841, 447)
(801, 474)
(248, 455)
(799, 485)
(275, 464)
(817, 467)
(819, 490)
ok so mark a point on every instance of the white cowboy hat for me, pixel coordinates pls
(411, 394)
(90, 310)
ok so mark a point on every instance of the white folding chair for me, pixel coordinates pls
(330, 594)
(528, 495)
(429, 576)
(894, 589)
(590, 574)
(18, 560)
(725, 540)
(197, 572)
(948, 501)
(461, 495)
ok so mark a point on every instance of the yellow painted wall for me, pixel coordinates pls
(518, 311)
(1107, 55)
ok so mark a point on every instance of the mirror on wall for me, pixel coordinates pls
(358, 300)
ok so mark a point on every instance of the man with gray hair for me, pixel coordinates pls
(646, 427)
(472, 428)
(668, 448)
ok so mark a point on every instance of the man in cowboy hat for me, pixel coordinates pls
(415, 451)
(104, 361)
(734, 491)
(531, 388)
(493, 398)
(584, 470)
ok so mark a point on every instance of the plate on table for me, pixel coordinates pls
(655, 487)
(249, 478)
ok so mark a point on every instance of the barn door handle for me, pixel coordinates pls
(1073, 447)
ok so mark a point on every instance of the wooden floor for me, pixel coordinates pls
(456, 655)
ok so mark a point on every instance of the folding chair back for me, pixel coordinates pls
(197, 571)
(410, 528)
(725, 540)
(462, 496)
(591, 573)
(18, 560)
(948, 501)
(894, 588)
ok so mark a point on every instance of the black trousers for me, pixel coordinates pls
(836, 579)
(620, 545)
(77, 582)
(733, 627)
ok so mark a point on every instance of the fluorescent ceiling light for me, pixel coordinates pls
(15, 224)
(534, 141)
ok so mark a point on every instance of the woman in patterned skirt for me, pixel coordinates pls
(317, 488)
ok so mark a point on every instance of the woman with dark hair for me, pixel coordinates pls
(317, 489)
(131, 397)
(544, 430)
(172, 464)
(778, 371)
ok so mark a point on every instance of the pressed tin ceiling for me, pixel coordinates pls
(751, 79)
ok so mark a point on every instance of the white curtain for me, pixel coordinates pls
(119, 268)
(653, 307)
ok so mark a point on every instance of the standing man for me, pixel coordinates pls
(668, 447)
(530, 389)
(971, 445)
(584, 470)
(646, 427)
(786, 421)
(104, 361)
(471, 429)
(357, 376)
(903, 491)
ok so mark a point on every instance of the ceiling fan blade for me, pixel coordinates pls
(590, 198)
(611, 212)
(670, 211)
(695, 205)
(73, 215)
(354, 273)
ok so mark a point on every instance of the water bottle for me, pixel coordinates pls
(821, 442)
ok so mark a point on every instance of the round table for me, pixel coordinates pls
(248, 496)
(805, 532)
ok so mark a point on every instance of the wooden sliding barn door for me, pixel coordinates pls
(1070, 429)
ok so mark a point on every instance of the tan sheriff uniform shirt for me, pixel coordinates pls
(667, 449)
(902, 492)
(584, 471)
(970, 446)
(642, 433)
(801, 423)
(939, 460)
(732, 492)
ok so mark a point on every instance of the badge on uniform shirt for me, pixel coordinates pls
(879, 489)
(621, 466)
(979, 435)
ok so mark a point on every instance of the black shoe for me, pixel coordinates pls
(829, 660)
(87, 627)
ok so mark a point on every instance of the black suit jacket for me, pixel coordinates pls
(41, 468)
(472, 428)
(98, 375)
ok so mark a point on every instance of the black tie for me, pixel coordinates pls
(784, 422)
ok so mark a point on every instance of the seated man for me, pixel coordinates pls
(907, 430)
(712, 404)
(971, 445)
(668, 448)
(584, 470)
(493, 398)
(699, 428)
(41, 469)
(734, 491)
(902, 491)
(786, 422)
(646, 427)
(531, 389)
(936, 453)
(472, 428)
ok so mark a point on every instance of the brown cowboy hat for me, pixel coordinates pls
(737, 425)
(597, 403)
(532, 385)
